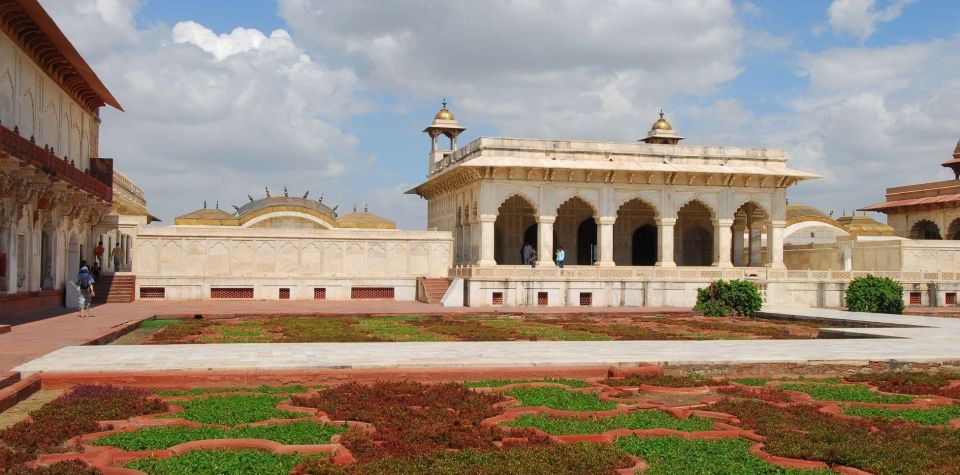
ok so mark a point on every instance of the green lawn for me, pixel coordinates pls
(842, 393)
(495, 383)
(219, 462)
(642, 419)
(233, 410)
(928, 417)
(158, 438)
(674, 455)
(560, 399)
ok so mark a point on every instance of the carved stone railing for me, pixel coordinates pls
(98, 181)
(704, 274)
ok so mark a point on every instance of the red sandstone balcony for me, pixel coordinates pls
(98, 180)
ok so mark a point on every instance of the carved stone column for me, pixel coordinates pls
(775, 244)
(721, 242)
(665, 242)
(486, 240)
(545, 241)
(605, 240)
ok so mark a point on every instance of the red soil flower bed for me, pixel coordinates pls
(410, 418)
(804, 432)
(763, 394)
(74, 413)
(691, 381)
(910, 382)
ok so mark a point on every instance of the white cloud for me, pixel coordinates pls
(533, 67)
(217, 116)
(859, 18)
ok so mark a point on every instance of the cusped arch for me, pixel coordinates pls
(752, 200)
(953, 230)
(523, 196)
(698, 200)
(925, 229)
(580, 197)
(639, 199)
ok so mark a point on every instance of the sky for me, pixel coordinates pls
(224, 98)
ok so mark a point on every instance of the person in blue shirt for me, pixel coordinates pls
(561, 256)
(84, 291)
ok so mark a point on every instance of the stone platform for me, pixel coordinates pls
(915, 339)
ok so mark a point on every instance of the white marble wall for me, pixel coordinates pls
(32, 101)
(188, 260)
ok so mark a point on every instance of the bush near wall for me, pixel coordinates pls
(724, 298)
(875, 295)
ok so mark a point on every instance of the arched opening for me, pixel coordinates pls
(511, 230)
(693, 235)
(633, 243)
(749, 235)
(586, 242)
(458, 236)
(5, 260)
(644, 246)
(576, 230)
(46, 258)
(925, 229)
(953, 231)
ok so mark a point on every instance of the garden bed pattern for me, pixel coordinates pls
(464, 328)
(614, 425)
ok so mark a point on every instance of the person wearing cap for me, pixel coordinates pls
(85, 292)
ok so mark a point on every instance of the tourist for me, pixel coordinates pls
(529, 255)
(98, 253)
(560, 257)
(116, 255)
(96, 270)
(84, 291)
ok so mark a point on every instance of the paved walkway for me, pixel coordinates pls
(918, 339)
(39, 333)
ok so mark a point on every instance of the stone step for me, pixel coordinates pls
(18, 391)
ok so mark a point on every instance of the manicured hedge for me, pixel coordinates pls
(875, 295)
(724, 298)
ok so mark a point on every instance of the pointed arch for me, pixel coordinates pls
(635, 237)
(515, 217)
(926, 230)
(693, 234)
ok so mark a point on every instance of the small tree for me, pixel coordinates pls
(722, 298)
(875, 295)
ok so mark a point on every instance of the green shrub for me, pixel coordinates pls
(724, 298)
(875, 295)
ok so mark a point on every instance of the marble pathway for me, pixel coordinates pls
(920, 339)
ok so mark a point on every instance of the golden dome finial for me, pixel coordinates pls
(661, 123)
(444, 113)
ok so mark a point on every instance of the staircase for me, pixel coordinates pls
(432, 290)
(115, 288)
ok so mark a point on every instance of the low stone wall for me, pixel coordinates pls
(204, 262)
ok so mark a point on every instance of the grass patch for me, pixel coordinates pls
(295, 389)
(158, 438)
(928, 417)
(157, 323)
(233, 410)
(643, 419)
(396, 329)
(560, 399)
(319, 330)
(496, 383)
(522, 330)
(829, 392)
(202, 462)
(673, 455)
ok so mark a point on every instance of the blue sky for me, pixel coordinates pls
(858, 91)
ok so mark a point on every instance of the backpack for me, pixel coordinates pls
(84, 281)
